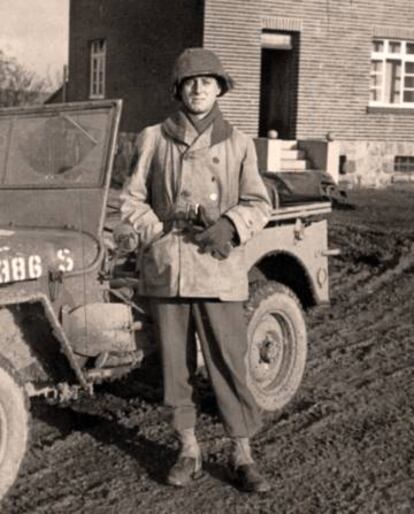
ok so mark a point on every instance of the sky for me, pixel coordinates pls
(35, 32)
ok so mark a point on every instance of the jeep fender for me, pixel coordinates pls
(297, 262)
(33, 340)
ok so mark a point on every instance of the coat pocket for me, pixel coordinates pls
(233, 276)
(159, 265)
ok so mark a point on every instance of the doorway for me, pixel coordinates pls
(279, 84)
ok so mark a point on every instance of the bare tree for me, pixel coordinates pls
(18, 85)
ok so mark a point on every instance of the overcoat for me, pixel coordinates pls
(178, 168)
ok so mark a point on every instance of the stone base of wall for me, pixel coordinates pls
(371, 163)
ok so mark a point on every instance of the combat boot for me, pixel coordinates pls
(188, 466)
(243, 470)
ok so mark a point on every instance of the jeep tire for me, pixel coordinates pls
(277, 344)
(14, 425)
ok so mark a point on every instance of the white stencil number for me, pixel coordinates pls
(15, 269)
(4, 271)
(34, 265)
(18, 268)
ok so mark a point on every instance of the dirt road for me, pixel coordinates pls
(344, 445)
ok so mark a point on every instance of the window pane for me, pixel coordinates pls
(409, 82)
(97, 72)
(378, 46)
(397, 69)
(409, 67)
(394, 47)
(392, 81)
(408, 96)
(410, 48)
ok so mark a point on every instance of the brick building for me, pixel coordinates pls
(303, 67)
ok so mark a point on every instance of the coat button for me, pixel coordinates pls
(216, 160)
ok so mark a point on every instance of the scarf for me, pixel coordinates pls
(176, 125)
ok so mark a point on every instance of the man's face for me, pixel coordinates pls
(198, 94)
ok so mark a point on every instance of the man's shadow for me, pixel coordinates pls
(155, 458)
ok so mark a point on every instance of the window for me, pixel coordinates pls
(97, 68)
(392, 73)
(404, 163)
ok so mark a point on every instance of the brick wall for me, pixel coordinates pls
(143, 39)
(335, 47)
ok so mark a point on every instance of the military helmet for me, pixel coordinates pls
(194, 62)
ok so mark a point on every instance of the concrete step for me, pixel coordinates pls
(288, 144)
(292, 154)
(294, 165)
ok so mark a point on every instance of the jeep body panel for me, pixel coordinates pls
(301, 237)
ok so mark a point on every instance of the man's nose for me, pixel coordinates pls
(197, 85)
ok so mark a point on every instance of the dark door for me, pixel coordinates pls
(279, 84)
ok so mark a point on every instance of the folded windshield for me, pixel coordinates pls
(53, 149)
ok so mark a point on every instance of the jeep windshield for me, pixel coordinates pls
(49, 148)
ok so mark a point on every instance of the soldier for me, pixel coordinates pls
(195, 197)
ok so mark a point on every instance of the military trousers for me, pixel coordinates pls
(223, 339)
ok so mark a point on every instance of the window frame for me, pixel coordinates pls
(404, 164)
(384, 56)
(97, 69)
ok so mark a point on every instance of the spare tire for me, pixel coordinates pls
(277, 344)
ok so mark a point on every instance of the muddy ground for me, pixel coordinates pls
(345, 444)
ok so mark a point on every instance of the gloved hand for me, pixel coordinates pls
(125, 237)
(200, 218)
(194, 220)
(218, 239)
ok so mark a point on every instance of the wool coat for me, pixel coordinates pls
(176, 168)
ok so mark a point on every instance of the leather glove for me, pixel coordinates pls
(218, 239)
(200, 219)
(125, 237)
(195, 219)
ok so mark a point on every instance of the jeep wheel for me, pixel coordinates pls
(14, 426)
(277, 344)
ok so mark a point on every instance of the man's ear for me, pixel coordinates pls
(219, 88)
